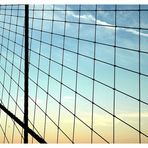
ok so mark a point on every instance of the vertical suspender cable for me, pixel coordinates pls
(26, 75)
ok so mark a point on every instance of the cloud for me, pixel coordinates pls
(67, 97)
(106, 121)
(134, 115)
(99, 119)
(87, 18)
(134, 32)
(90, 18)
(99, 22)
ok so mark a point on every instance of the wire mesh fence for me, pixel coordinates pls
(88, 74)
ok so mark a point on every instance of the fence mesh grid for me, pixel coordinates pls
(88, 73)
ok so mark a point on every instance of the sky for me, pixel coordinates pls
(83, 43)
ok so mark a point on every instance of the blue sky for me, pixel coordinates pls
(126, 81)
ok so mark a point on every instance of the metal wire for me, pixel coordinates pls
(60, 65)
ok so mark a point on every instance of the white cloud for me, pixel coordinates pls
(135, 32)
(40, 101)
(134, 115)
(106, 121)
(103, 23)
(99, 119)
(67, 97)
(89, 18)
